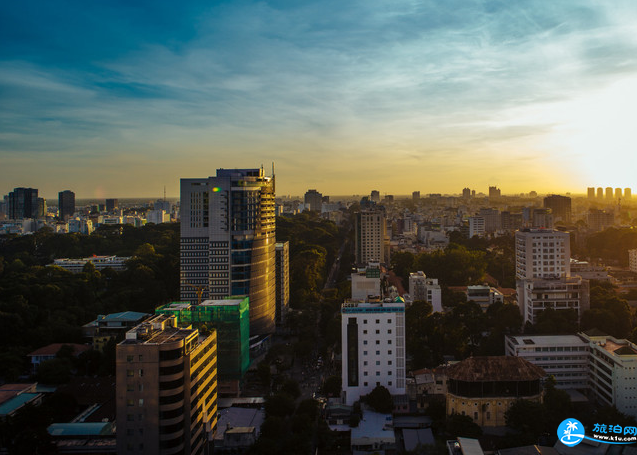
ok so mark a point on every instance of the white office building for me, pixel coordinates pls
(423, 288)
(565, 357)
(373, 348)
(543, 274)
(613, 372)
(100, 263)
(484, 295)
(476, 226)
(542, 253)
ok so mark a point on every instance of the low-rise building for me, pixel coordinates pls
(374, 434)
(484, 388)
(50, 352)
(366, 282)
(537, 295)
(565, 357)
(100, 263)
(484, 295)
(423, 288)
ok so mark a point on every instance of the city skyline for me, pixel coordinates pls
(394, 96)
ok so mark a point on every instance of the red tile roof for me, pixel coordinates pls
(54, 348)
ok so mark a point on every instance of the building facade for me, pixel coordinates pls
(423, 288)
(166, 389)
(373, 348)
(542, 253)
(632, 260)
(565, 357)
(228, 241)
(23, 203)
(370, 237)
(366, 283)
(313, 200)
(282, 282)
(560, 207)
(66, 204)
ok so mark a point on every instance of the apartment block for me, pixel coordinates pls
(370, 237)
(423, 288)
(166, 389)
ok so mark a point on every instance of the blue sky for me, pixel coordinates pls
(114, 100)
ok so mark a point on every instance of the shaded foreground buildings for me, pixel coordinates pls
(166, 389)
(228, 242)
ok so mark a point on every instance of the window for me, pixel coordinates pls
(141, 402)
(378, 373)
(364, 352)
(377, 331)
(388, 341)
(378, 362)
(365, 363)
(130, 402)
(365, 384)
(364, 332)
(364, 341)
(377, 341)
(364, 373)
(377, 352)
(141, 373)
(389, 362)
(364, 321)
(389, 383)
(130, 373)
(141, 357)
(389, 352)
(377, 321)
(129, 358)
(130, 417)
(130, 388)
(389, 373)
(389, 331)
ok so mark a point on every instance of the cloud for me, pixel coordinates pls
(298, 80)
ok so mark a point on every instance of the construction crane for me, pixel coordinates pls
(199, 290)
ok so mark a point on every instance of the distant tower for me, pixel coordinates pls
(591, 192)
(560, 207)
(111, 204)
(466, 193)
(627, 193)
(375, 196)
(415, 196)
(314, 200)
(494, 192)
(609, 193)
(23, 203)
(618, 193)
(66, 204)
(600, 193)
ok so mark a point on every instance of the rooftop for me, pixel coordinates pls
(373, 426)
(54, 348)
(81, 429)
(496, 369)
(547, 340)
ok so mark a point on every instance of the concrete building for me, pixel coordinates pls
(542, 253)
(423, 288)
(494, 192)
(613, 372)
(66, 204)
(371, 240)
(632, 260)
(415, 196)
(230, 318)
(609, 193)
(589, 271)
(565, 357)
(492, 220)
(366, 282)
(543, 274)
(591, 192)
(484, 388)
(600, 193)
(373, 348)
(282, 251)
(560, 207)
(542, 219)
(228, 241)
(560, 293)
(483, 295)
(618, 193)
(100, 262)
(313, 200)
(598, 220)
(477, 226)
(466, 193)
(375, 196)
(157, 216)
(628, 194)
(373, 435)
(166, 389)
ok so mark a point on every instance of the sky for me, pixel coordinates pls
(122, 99)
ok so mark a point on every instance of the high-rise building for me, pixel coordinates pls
(423, 288)
(627, 193)
(598, 220)
(591, 192)
(494, 192)
(415, 196)
(111, 204)
(313, 200)
(375, 196)
(282, 282)
(23, 203)
(166, 389)
(476, 226)
(466, 193)
(609, 193)
(228, 241)
(41, 211)
(600, 193)
(543, 274)
(618, 193)
(560, 207)
(66, 204)
(542, 253)
(370, 233)
(542, 218)
(373, 348)
(492, 219)
(230, 317)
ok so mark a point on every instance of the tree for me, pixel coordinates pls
(279, 405)
(291, 387)
(462, 425)
(332, 386)
(380, 400)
